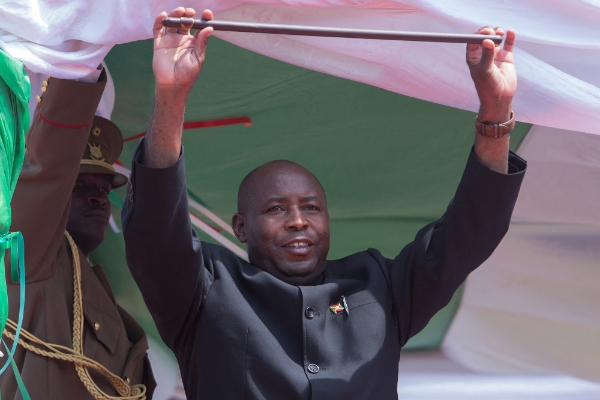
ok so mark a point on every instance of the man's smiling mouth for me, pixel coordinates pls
(298, 245)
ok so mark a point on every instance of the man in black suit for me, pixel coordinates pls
(290, 324)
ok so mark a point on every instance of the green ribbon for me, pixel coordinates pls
(14, 242)
(14, 121)
(18, 378)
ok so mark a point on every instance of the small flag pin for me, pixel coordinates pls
(340, 307)
(336, 308)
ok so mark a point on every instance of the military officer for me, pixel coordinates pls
(61, 206)
(290, 324)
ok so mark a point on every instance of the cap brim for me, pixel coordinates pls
(117, 181)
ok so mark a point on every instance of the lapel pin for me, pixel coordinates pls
(340, 306)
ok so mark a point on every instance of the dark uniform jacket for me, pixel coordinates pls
(240, 333)
(41, 205)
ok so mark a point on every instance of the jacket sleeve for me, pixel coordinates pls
(429, 270)
(54, 147)
(163, 251)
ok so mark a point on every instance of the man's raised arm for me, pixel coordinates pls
(177, 62)
(429, 270)
(163, 251)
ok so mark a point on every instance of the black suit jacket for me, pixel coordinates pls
(240, 333)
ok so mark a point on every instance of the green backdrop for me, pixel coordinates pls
(389, 163)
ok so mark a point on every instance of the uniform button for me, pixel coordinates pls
(127, 380)
(96, 326)
(310, 313)
(130, 198)
(313, 368)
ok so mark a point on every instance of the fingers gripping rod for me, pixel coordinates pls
(190, 23)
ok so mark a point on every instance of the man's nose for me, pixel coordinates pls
(97, 199)
(297, 220)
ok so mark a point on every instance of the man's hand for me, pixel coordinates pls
(493, 69)
(495, 77)
(177, 62)
(179, 56)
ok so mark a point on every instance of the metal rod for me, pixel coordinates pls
(252, 27)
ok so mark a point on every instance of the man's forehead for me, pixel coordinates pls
(278, 179)
(285, 182)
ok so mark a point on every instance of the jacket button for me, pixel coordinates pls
(127, 380)
(313, 368)
(96, 326)
(310, 313)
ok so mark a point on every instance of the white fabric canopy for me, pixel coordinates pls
(558, 44)
(534, 306)
(429, 375)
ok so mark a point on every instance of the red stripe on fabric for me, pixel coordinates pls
(64, 125)
(211, 123)
(217, 122)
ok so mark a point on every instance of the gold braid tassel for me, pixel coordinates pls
(75, 355)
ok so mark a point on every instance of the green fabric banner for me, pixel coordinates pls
(14, 122)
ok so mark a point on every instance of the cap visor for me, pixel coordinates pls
(117, 181)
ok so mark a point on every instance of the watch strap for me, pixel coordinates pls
(495, 130)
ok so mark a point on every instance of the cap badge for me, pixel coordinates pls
(95, 152)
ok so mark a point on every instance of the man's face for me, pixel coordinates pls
(286, 225)
(90, 210)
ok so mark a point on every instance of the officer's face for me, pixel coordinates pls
(286, 225)
(90, 210)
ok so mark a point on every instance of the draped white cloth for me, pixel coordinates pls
(534, 306)
(558, 44)
(429, 375)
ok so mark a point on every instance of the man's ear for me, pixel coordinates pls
(237, 224)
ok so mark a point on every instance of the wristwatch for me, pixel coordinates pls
(495, 130)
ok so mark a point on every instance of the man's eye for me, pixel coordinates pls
(311, 208)
(276, 208)
(78, 183)
(105, 191)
